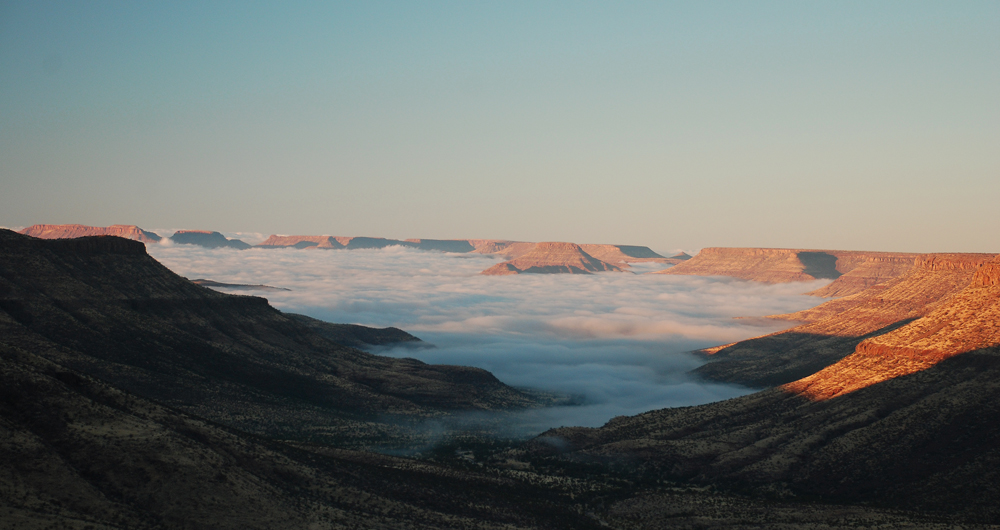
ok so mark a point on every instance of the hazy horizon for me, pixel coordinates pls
(839, 125)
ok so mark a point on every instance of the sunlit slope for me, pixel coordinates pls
(967, 321)
(834, 329)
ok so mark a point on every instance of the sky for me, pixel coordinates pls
(676, 125)
(616, 343)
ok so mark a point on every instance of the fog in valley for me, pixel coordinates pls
(612, 343)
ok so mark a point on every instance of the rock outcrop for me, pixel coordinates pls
(852, 271)
(204, 238)
(552, 258)
(834, 329)
(502, 247)
(71, 231)
(968, 320)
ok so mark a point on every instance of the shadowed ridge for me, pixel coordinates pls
(73, 231)
(208, 239)
(552, 258)
(116, 314)
(443, 245)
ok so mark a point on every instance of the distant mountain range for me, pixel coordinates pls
(597, 257)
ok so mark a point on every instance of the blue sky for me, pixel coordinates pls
(847, 125)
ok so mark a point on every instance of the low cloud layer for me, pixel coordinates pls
(616, 341)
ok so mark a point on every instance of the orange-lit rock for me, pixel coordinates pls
(966, 321)
(552, 258)
(70, 231)
(502, 247)
(852, 271)
(624, 254)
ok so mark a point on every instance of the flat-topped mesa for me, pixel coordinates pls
(70, 231)
(501, 247)
(852, 271)
(932, 280)
(276, 241)
(552, 258)
(964, 322)
(623, 254)
(208, 239)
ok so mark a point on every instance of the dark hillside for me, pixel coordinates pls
(102, 306)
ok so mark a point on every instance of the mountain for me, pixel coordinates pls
(552, 258)
(70, 231)
(207, 239)
(102, 307)
(851, 271)
(967, 321)
(908, 421)
(834, 329)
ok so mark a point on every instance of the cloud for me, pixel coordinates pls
(617, 341)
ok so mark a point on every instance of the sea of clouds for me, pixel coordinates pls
(617, 342)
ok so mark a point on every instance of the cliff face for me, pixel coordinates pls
(624, 254)
(207, 239)
(966, 321)
(70, 231)
(851, 271)
(552, 258)
(502, 247)
(833, 330)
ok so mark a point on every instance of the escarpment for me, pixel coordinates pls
(834, 329)
(207, 239)
(967, 321)
(852, 271)
(72, 231)
(102, 306)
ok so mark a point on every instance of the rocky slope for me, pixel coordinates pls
(907, 421)
(966, 321)
(851, 271)
(77, 452)
(924, 441)
(69, 231)
(207, 239)
(834, 329)
(102, 307)
(552, 258)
